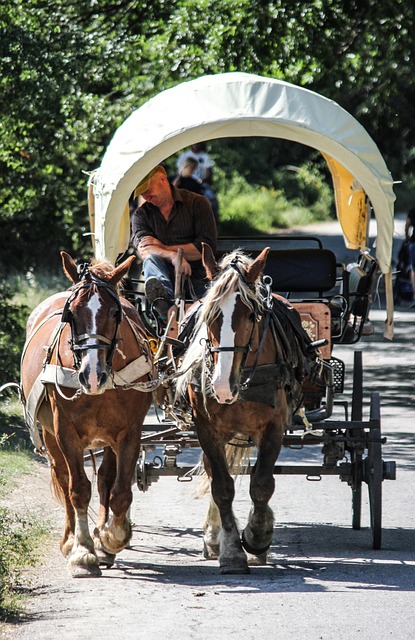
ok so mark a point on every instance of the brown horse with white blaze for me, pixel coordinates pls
(88, 390)
(245, 380)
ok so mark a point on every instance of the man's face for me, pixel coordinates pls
(158, 191)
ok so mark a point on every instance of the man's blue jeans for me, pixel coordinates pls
(163, 270)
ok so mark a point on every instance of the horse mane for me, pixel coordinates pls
(228, 280)
(102, 268)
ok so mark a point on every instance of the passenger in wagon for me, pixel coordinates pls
(184, 178)
(171, 219)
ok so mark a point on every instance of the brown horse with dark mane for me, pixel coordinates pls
(85, 378)
(243, 373)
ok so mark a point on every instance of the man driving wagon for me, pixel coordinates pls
(171, 219)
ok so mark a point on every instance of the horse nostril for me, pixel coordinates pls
(103, 377)
(83, 381)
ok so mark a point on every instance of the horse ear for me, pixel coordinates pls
(69, 267)
(257, 267)
(209, 262)
(121, 270)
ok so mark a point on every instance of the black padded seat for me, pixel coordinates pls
(300, 270)
(297, 270)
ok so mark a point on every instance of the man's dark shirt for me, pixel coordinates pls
(191, 221)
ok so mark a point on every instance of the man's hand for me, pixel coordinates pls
(149, 245)
(149, 241)
(186, 268)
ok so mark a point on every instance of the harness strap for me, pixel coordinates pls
(192, 289)
(87, 336)
(234, 265)
(31, 407)
(259, 350)
(237, 349)
(281, 332)
(58, 312)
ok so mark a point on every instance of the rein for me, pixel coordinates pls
(267, 318)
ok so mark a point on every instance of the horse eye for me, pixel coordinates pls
(252, 317)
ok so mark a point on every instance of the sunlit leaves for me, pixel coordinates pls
(71, 72)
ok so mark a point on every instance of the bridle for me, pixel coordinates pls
(82, 342)
(266, 306)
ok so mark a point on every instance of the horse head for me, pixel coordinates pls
(93, 311)
(232, 310)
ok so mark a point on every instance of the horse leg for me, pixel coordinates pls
(232, 558)
(106, 478)
(83, 561)
(258, 533)
(212, 528)
(60, 489)
(116, 533)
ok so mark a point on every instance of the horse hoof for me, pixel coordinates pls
(250, 549)
(237, 564)
(229, 569)
(257, 560)
(85, 571)
(111, 543)
(210, 552)
(106, 559)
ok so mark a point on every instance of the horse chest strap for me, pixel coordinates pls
(235, 349)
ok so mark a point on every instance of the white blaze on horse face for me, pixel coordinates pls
(222, 373)
(91, 365)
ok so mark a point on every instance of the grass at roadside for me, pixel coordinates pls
(21, 533)
(14, 464)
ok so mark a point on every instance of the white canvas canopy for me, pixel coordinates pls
(244, 105)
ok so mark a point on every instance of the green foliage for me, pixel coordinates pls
(20, 294)
(250, 208)
(52, 127)
(17, 546)
(70, 73)
(307, 187)
(31, 288)
(303, 196)
(12, 334)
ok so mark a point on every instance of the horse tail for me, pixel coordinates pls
(237, 458)
(55, 487)
(94, 462)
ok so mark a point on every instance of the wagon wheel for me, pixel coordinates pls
(356, 489)
(374, 472)
(356, 452)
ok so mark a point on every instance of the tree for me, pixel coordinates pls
(70, 73)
